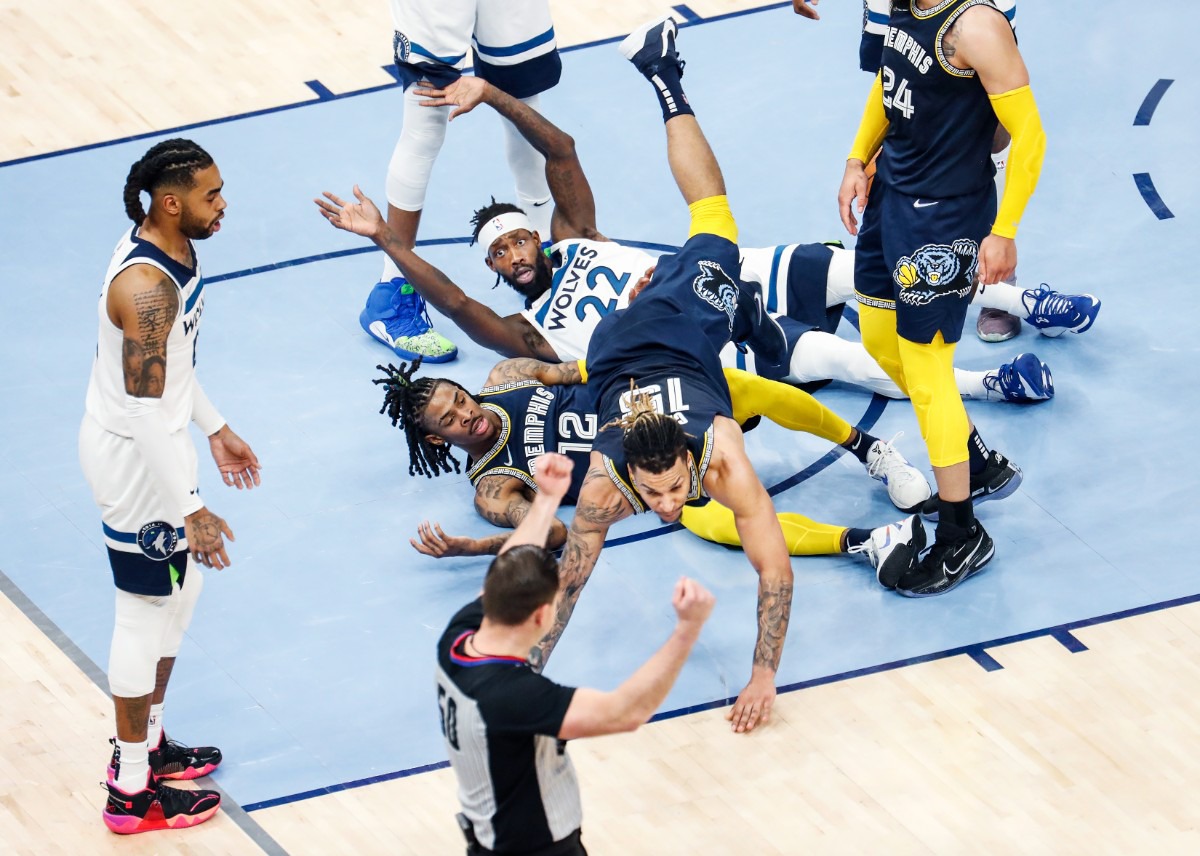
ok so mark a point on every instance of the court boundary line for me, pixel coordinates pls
(96, 675)
(324, 96)
(976, 651)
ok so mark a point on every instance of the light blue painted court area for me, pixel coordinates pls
(310, 661)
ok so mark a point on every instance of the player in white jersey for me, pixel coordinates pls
(140, 462)
(584, 276)
(514, 47)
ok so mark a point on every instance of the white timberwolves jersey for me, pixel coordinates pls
(106, 388)
(592, 279)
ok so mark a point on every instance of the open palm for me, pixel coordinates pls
(362, 218)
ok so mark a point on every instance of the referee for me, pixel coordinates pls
(505, 725)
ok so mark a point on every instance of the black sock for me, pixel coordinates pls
(856, 537)
(860, 446)
(977, 451)
(955, 519)
(671, 97)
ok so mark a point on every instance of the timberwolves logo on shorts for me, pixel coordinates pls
(937, 270)
(401, 47)
(716, 288)
(158, 540)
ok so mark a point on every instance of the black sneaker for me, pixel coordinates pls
(947, 564)
(999, 478)
(651, 47)
(157, 807)
(171, 760)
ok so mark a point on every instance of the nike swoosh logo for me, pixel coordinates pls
(962, 565)
(919, 204)
(540, 204)
(508, 462)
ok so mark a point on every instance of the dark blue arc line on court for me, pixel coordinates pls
(974, 650)
(687, 13)
(1145, 186)
(1146, 112)
(371, 248)
(191, 126)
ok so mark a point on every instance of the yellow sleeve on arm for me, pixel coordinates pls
(1018, 113)
(582, 370)
(873, 127)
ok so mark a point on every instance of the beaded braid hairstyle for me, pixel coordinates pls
(405, 400)
(169, 163)
(652, 441)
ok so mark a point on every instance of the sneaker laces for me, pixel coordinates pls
(889, 458)
(867, 547)
(1050, 304)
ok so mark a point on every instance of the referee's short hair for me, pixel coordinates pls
(518, 582)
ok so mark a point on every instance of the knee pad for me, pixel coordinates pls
(181, 611)
(421, 138)
(141, 621)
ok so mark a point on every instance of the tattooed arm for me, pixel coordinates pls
(518, 369)
(144, 303)
(732, 482)
(600, 505)
(501, 500)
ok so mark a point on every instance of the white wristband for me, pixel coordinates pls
(153, 441)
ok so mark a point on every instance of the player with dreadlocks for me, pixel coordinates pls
(138, 457)
(530, 407)
(406, 401)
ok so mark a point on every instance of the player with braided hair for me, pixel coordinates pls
(405, 401)
(530, 407)
(138, 457)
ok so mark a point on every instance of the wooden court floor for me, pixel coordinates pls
(1050, 751)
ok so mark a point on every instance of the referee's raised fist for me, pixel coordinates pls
(552, 473)
(692, 601)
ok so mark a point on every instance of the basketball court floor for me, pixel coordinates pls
(1045, 706)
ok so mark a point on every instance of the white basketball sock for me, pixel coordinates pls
(134, 766)
(529, 172)
(1002, 295)
(154, 728)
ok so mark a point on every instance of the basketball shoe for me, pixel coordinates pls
(157, 806)
(1054, 314)
(396, 315)
(893, 549)
(999, 478)
(907, 487)
(948, 564)
(996, 325)
(1025, 379)
(651, 47)
(172, 760)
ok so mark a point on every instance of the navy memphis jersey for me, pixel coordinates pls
(939, 142)
(536, 418)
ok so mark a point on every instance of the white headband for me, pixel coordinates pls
(502, 224)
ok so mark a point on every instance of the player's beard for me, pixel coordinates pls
(543, 277)
(194, 228)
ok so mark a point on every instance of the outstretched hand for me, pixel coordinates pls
(434, 542)
(553, 474)
(362, 218)
(235, 459)
(464, 95)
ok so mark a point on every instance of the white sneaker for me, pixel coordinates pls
(907, 487)
(893, 549)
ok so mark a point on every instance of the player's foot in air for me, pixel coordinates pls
(893, 549)
(1025, 379)
(396, 315)
(1054, 314)
(651, 47)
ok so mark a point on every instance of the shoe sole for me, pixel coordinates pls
(636, 40)
(959, 580)
(125, 825)
(401, 352)
(188, 774)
